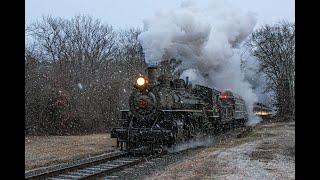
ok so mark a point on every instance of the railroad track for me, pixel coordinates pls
(105, 165)
(92, 169)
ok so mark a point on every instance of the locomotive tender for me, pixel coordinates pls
(164, 111)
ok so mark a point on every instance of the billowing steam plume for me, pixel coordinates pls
(207, 40)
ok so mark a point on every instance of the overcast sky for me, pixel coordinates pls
(130, 13)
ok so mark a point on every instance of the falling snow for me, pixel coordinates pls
(80, 86)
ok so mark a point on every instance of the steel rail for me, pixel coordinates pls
(120, 167)
(51, 173)
(94, 168)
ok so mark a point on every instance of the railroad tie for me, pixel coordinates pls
(77, 174)
(86, 171)
(56, 178)
(68, 176)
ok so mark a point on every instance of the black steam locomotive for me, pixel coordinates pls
(164, 111)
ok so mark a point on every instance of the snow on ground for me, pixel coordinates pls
(244, 166)
(266, 153)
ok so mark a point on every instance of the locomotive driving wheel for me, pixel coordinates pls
(190, 132)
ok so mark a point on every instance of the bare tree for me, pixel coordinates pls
(85, 68)
(75, 51)
(274, 47)
(130, 61)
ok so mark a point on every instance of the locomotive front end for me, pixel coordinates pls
(143, 124)
(142, 105)
(142, 101)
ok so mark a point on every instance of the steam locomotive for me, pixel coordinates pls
(164, 111)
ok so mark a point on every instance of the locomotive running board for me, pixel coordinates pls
(182, 110)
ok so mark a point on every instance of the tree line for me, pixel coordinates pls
(77, 74)
(274, 48)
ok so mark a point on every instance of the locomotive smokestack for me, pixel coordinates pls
(152, 74)
(187, 81)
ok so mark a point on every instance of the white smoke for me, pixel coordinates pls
(256, 78)
(192, 143)
(208, 42)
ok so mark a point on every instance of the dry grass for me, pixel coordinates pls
(49, 150)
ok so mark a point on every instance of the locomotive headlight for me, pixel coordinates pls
(141, 81)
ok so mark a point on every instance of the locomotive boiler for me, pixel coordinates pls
(164, 111)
